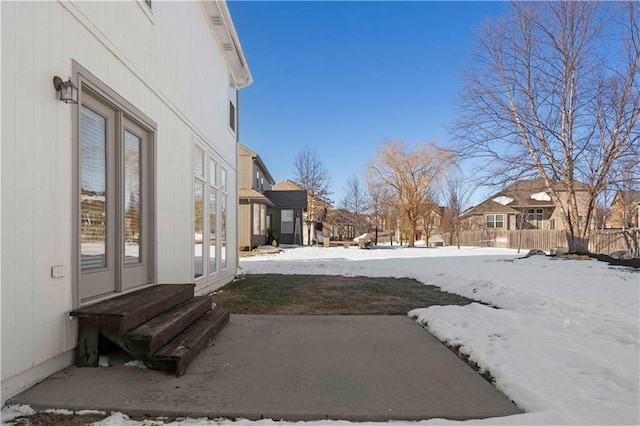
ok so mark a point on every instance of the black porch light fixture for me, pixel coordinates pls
(68, 92)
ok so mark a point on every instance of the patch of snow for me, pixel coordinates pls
(364, 238)
(12, 412)
(119, 419)
(103, 361)
(503, 199)
(59, 411)
(89, 412)
(541, 196)
(136, 363)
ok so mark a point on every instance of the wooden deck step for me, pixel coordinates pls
(130, 310)
(146, 339)
(178, 354)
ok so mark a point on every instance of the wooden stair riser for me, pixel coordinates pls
(132, 321)
(178, 354)
(149, 337)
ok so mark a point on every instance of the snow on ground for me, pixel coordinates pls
(564, 344)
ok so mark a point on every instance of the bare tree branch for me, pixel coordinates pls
(311, 174)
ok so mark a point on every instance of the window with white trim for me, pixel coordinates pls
(256, 219)
(263, 219)
(534, 217)
(198, 212)
(223, 218)
(495, 221)
(206, 214)
(213, 211)
(286, 222)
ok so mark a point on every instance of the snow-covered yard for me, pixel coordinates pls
(564, 344)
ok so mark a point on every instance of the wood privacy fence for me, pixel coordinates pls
(601, 241)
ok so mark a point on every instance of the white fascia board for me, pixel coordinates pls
(225, 32)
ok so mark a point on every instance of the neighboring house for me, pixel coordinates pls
(625, 209)
(131, 181)
(287, 215)
(522, 205)
(314, 215)
(267, 212)
(254, 179)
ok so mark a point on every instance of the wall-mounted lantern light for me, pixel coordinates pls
(68, 92)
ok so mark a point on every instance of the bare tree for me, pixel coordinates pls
(380, 198)
(430, 219)
(311, 174)
(355, 196)
(409, 171)
(356, 201)
(456, 197)
(556, 95)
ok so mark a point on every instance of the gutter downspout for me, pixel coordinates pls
(237, 181)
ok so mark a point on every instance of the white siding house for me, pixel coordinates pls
(135, 184)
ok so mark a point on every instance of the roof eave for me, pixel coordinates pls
(264, 169)
(225, 32)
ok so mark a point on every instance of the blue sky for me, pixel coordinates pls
(343, 77)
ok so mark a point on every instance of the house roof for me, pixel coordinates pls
(244, 151)
(287, 185)
(522, 194)
(288, 199)
(225, 32)
(253, 195)
(627, 197)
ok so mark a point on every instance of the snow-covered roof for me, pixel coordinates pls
(540, 196)
(503, 199)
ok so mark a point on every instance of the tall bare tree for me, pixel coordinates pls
(410, 172)
(311, 174)
(456, 198)
(381, 200)
(555, 94)
(430, 219)
(355, 195)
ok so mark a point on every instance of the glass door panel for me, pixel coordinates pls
(198, 230)
(93, 190)
(132, 200)
(96, 187)
(212, 230)
(134, 206)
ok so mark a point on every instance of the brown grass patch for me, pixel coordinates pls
(330, 295)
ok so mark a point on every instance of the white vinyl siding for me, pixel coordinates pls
(135, 57)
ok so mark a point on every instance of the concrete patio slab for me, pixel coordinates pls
(359, 368)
